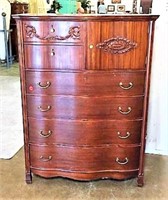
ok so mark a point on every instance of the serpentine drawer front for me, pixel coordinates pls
(89, 159)
(84, 132)
(85, 83)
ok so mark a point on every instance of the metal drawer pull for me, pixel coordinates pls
(124, 112)
(124, 87)
(52, 30)
(47, 85)
(44, 110)
(52, 52)
(45, 135)
(124, 162)
(45, 159)
(123, 137)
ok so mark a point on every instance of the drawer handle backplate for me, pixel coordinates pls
(43, 159)
(124, 112)
(47, 85)
(123, 137)
(44, 110)
(45, 135)
(130, 85)
(123, 162)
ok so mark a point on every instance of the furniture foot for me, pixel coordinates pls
(28, 178)
(140, 180)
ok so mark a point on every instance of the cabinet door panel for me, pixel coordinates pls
(120, 45)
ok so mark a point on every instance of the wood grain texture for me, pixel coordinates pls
(86, 176)
(70, 107)
(84, 132)
(84, 159)
(53, 30)
(58, 57)
(85, 86)
(86, 83)
(133, 31)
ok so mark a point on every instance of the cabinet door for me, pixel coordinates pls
(117, 45)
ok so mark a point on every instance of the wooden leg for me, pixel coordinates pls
(140, 180)
(28, 178)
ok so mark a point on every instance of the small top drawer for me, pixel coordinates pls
(53, 31)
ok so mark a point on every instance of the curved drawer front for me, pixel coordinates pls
(52, 31)
(69, 107)
(91, 84)
(79, 132)
(54, 56)
(113, 157)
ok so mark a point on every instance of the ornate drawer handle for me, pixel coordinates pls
(124, 137)
(45, 135)
(47, 85)
(52, 52)
(124, 112)
(43, 159)
(44, 110)
(52, 30)
(124, 162)
(126, 87)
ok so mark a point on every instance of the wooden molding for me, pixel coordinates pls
(117, 45)
(74, 32)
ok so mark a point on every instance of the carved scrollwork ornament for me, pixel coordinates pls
(74, 32)
(117, 45)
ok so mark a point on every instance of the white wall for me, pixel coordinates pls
(157, 139)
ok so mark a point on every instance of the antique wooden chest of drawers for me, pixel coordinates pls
(85, 86)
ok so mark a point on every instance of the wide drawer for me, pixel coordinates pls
(88, 83)
(70, 107)
(54, 56)
(82, 132)
(54, 31)
(69, 158)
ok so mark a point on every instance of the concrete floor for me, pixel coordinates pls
(13, 186)
(13, 70)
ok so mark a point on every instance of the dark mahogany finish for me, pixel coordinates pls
(77, 107)
(85, 85)
(85, 159)
(84, 132)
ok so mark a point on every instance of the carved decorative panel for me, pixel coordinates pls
(117, 45)
(74, 32)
